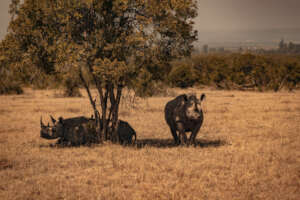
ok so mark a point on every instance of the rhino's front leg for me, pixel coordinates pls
(182, 135)
(193, 136)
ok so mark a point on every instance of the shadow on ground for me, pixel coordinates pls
(157, 143)
(169, 143)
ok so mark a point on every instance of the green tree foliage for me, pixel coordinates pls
(111, 42)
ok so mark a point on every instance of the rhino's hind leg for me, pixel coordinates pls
(63, 142)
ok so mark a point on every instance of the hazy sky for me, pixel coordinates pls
(248, 14)
(226, 14)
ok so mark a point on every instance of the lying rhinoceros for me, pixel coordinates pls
(82, 130)
(126, 133)
(76, 131)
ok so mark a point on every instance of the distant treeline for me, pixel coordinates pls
(290, 48)
(222, 71)
(238, 71)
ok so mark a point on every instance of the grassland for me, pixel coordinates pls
(247, 148)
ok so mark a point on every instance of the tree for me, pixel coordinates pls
(111, 42)
(10, 82)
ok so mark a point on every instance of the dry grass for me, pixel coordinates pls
(248, 148)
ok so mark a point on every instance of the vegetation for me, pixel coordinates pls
(247, 71)
(289, 48)
(9, 87)
(110, 43)
(78, 45)
(182, 74)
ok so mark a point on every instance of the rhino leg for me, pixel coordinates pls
(183, 138)
(193, 136)
(182, 135)
(173, 131)
(63, 141)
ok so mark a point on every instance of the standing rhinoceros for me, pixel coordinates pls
(184, 114)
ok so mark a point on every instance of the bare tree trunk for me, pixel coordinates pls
(115, 117)
(104, 111)
(103, 102)
(108, 120)
(93, 103)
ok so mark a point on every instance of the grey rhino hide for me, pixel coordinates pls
(184, 114)
(82, 130)
(126, 133)
(81, 133)
(67, 130)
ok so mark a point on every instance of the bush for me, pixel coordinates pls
(243, 71)
(10, 88)
(182, 74)
(143, 85)
(71, 88)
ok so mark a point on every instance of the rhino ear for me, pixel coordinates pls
(41, 122)
(185, 97)
(60, 119)
(202, 97)
(52, 119)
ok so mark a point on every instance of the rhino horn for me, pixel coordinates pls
(42, 124)
(52, 119)
(202, 97)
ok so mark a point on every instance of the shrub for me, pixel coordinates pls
(182, 74)
(10, 87)
(71, 88)
(143, 85)
(247, 71)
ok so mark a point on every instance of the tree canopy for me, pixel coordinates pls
(111, 42)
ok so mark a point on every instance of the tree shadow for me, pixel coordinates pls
(142, 143)
(169, 143)
(59, 144)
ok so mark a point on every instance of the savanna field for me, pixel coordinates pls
(247, 148)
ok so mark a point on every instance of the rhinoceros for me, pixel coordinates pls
(126, 133)
(184, 114)
(77, 130)
(82, 130)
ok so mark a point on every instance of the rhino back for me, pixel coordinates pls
(174, 108)
(75, 121)
(125, 131)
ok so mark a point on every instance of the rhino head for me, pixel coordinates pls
(193, 107)
(54, 131)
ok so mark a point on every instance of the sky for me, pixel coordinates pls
(225, 15)
(248, 14)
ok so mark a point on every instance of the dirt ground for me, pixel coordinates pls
(247, 148)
